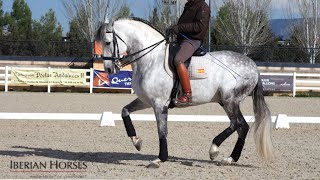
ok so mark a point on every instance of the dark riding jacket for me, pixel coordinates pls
(194, 21)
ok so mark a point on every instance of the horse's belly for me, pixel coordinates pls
(203, 91)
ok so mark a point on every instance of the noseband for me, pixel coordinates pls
(120, 61)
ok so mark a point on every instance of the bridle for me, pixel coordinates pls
(120, 61)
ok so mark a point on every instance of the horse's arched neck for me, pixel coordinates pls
(139, 36)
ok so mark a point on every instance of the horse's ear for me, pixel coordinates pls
(112, 21)
(106, 19)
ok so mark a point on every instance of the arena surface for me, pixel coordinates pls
(29, 148)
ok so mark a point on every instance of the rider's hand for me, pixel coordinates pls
(172, 30)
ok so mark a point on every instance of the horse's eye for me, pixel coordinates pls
(108, 43)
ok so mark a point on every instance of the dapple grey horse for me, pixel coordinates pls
(231, 78)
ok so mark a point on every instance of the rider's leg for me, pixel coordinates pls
(187, 48)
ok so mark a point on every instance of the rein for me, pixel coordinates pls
(116, 54)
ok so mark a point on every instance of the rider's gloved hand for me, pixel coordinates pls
(171, 30)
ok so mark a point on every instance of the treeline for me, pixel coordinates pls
(241, 26)
(244, 27)
(23, 36)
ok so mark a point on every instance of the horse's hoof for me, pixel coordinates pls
(213, 152)
(227, 161)
(137, 142)
(154, 164)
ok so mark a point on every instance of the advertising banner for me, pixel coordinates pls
(119, 80)
(277, 83)
(45, 76)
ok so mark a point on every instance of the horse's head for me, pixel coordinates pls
(113, 46)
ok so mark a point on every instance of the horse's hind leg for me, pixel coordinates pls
(237, 122)
(242, 131)
(230, 108)
(135, 105)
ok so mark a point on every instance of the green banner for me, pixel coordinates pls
(49, 76)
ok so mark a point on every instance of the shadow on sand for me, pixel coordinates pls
(102, 157)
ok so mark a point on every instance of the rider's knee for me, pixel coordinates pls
(178, 61)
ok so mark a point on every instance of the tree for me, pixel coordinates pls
(20, 21)
(89, 14)
(1, 15)
(124, 12)
(221, 16)
(47, 32)
(51, 29)
(154, 18)
(162, 16)
(77, 44)
(305, 32)
(74, 34)
(1, 20)
(17, 26)
(244, 23)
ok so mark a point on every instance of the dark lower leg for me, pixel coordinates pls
(237, 150)
(242, 131)
(223, 136)
(135, 105)
(161, 116)
(163, 154)
(129, 126)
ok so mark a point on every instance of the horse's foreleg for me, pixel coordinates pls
(135, 105)
(161, 116)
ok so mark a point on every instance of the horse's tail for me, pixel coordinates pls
(262, 124)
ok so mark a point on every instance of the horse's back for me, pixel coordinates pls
(236, 74)
(233, 59)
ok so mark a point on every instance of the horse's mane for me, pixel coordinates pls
(145, 22)
(100, 33)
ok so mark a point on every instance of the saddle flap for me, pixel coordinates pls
(196, 65)
(200, 52)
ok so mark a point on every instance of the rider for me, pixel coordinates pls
(193, 24)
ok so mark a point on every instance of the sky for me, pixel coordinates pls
(138, 7)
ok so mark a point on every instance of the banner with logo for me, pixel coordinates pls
(119, 80)
(277, 83)
(49, 76)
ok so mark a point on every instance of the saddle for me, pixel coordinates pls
(174, 48)
(195, 65)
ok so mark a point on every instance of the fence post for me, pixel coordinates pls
(6, 79)
(91, 80)
(294, 84)
(49, 86)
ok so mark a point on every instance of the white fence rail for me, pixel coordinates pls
(108, 118)
(5, 78)
(306, 82)
(301, 82)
